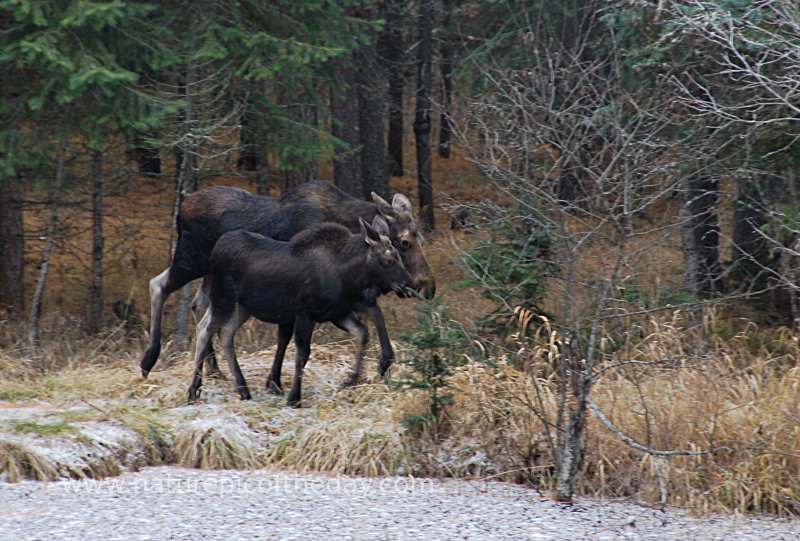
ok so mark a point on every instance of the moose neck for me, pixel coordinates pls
(352, 258)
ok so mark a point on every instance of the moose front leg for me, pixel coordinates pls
(285, 331)
(387, 352)
(353, 325)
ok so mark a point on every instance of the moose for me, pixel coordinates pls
(208, 214)
(320, 275)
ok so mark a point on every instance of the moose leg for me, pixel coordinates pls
(285, 331)
(387, 352)
(353, 325)
(205, 331)
(226, 334)
(303, 328)
(199, 306)
(160, 288)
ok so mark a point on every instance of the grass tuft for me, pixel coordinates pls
(345, 439)
(18, 462)
(216, 443)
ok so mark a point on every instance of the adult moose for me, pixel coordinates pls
(320, 275)
(207, 214)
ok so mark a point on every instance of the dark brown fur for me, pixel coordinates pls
(208, 214)
(319, 275)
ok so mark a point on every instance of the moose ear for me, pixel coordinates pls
(381, 226)
(401, 203)
(386, 210)
(371, 236)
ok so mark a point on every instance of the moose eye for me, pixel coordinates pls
(387, 260)
(405, 245)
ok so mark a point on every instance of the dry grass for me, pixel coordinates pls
(740, 402)
(339, 441)
(18, 461)
(215, 443)
(740, 397)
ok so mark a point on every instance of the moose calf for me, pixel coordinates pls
(319, 275)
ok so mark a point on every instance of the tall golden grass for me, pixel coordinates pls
(735, 406)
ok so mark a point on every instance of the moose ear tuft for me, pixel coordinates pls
(371, 236)
(381, 226)
(386, 210)
(401, 203)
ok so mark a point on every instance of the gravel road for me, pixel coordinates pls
(175, 503)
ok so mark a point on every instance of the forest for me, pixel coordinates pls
(608, 193)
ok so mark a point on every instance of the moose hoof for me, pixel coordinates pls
(194, 396)
(384, 366)
(274, 389)
(293, 401)
(244, 394)
(351, 380)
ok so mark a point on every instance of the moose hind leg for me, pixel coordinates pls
(205, 332)
(303, 329)
(160, 288)
(353, 325)
(199, 306)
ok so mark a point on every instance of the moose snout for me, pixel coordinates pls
(425, 285)
(404, 287)
(403, 290)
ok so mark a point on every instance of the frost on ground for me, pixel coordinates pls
(174, 503)
(59, 450)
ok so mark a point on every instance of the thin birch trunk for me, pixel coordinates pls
(186, 183)
(36, 302)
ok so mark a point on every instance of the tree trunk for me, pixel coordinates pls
(12, 246)
(392, 46)
(300, 114)
(422, 117)
(446, 70)
(95, 320)
(185, 184)
(749, 250)
(700, 227)
(347, 171)
(371, 99)
(148, 160)
(571, 454)
(577, 378)
(253, 147)
(38, 294)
